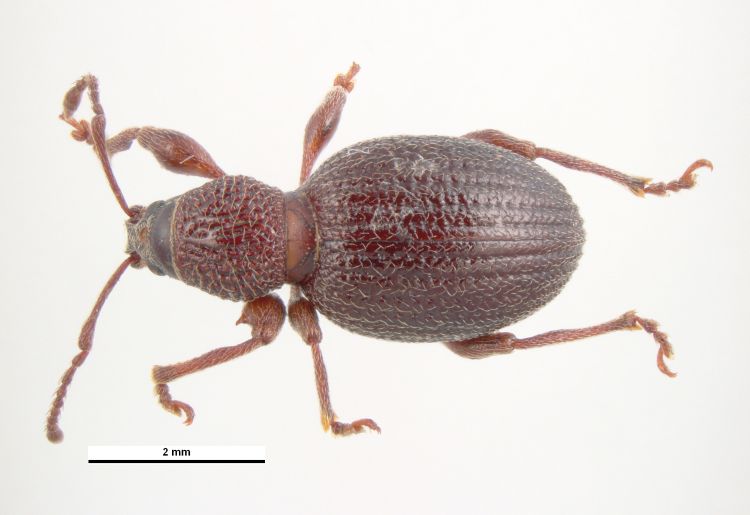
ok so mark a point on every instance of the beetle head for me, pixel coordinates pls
(149, 236)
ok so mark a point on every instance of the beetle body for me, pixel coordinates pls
(410, 238)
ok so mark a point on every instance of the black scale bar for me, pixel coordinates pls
(177, 461)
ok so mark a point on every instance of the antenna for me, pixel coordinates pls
(54, 433)
(92, 133)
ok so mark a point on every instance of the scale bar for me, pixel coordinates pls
(179, 453)
(177, 461)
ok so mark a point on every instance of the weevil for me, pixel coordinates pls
(407, 238)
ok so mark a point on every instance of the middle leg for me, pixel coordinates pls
(318, 132)
(323, 122)
(304, 320)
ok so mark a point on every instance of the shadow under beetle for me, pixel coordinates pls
(410, 238)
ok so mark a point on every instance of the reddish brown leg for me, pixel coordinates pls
(175, 151)
(325, 119)
(265, 315)
(503, 343)
(304, 320)
(321, 126)
(638, 185)
(319, 130)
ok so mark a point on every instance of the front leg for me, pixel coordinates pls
(265, 315)
(304, 320)
(174, 150)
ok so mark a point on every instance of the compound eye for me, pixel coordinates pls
(155, 269)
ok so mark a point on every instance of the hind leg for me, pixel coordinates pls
(503, 343)
(638, 185)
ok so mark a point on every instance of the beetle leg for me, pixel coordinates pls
(175, 151)
(304, 320)
(503, 343)
(323, 122)
(265, 315)
(638, 185)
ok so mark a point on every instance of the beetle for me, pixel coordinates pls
(410, 238)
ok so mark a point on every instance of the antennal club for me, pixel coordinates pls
(54, 433)
(92, 132)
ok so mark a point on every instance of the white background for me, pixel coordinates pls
(587, 427)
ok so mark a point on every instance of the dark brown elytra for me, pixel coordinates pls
(410, 238)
